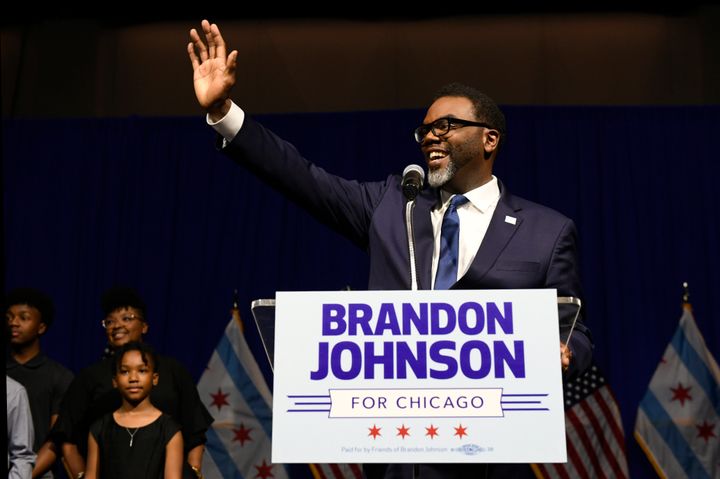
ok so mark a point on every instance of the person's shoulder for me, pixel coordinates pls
(168, 419)
(168, 425)
(531, 209)
(58, 368)
(12, 386)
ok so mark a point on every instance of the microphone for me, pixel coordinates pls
(412, 181)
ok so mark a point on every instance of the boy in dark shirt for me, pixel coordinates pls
(29, 314)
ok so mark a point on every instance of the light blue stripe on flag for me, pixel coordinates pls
(220, 455)
(667, 429)
(698, 368)
(244, 384)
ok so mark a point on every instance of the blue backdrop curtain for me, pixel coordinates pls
(148, 202)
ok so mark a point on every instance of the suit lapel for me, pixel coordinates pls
(424, 237)
(503, 225)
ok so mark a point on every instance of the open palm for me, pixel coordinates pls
(213, 69)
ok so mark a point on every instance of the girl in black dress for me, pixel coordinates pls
(137, 440)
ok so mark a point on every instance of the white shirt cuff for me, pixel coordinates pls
(229, 125)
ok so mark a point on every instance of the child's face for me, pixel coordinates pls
(134, 379)
(24, 323)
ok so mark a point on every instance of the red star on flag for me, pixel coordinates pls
(220, 399)
(264, 471)
(460, 431)
(403, 431)
(374, 431)
(681, 394)
(242, 434)
(432, 431)
(705, 431)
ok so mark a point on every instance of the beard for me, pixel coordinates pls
(439, 176)
(461, 155)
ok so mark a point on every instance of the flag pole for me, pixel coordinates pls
(235, 311)
(686, 297)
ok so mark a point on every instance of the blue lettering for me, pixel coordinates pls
(359, 314)
(387, 320)
(372, 359)
(515, 362)
(417, 362)
(437, 356)
(465, 365)
(322, 371)
(333, 323)
(494, 316)
(412, 318)
(463, 319)
(435, 321)
(355, 360)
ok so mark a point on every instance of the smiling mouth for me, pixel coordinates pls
(435, 157)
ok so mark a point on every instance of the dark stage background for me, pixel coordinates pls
(150, 203)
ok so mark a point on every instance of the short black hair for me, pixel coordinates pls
(35, 298)
(147, 353)
(119, 297)
(486, 110)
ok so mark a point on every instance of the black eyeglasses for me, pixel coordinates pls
(442, 126)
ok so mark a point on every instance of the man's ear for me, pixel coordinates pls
(42, 328)
(491, 140)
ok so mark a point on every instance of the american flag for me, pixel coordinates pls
(336, 471)
(594, 432)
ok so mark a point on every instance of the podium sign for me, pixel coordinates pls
(417, 377)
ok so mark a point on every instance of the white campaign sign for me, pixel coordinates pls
(417, 377)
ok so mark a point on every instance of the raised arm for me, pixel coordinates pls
(213, 70)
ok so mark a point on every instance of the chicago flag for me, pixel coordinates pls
(235, 392)
(678, 422)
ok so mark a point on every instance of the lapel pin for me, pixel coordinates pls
(510, 219)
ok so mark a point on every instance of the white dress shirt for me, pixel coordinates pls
(474, 219)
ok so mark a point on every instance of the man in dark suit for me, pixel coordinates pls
(503, 241)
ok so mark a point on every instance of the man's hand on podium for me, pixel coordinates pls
(565, 356)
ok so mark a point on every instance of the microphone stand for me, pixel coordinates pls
(409, 207)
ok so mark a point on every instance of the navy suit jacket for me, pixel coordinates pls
(526, 245)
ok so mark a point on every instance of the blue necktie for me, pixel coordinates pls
(447, 269)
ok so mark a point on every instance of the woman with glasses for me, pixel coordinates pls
(91, 395)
